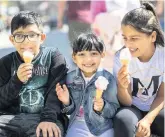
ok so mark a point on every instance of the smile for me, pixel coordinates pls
(88, 65)
(133, 50)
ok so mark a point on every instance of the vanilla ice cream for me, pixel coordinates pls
(125, 56)
(101, 84)
(28, 56)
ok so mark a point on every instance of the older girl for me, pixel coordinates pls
(141, 85)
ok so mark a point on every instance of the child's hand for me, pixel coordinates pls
(49, 129)
(63, 94)
(143, 128)
(24, 72)
(123, 77)
(98, 104)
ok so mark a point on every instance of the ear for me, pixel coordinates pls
(74, 58)
(11, 38)
(43, 37)
(103, 55)
(153, 36)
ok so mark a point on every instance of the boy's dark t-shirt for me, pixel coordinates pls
(29, 97)
(32, 92)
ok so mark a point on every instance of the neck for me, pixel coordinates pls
(87, 75)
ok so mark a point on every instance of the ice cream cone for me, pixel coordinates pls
(125, 56)
(101, 85)
(99, 93)
(28, 57)
(124, 61)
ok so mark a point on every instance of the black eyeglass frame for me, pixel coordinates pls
(24, 36)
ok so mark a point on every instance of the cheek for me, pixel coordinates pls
(98, 60)
(17, 47)
(36, 45)
(144, 45)
(77, 62)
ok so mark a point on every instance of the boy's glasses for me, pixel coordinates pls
(19, 38)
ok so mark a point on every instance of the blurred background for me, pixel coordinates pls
(64, 20)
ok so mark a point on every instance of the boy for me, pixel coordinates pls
(27, 97)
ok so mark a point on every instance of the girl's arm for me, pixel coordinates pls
(124, 95)
(123, 84)
(64, 96)
(69, 109)
(157, 105)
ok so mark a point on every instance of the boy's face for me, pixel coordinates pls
(27, 39)
(88, 61)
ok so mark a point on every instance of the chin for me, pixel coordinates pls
(136, 55)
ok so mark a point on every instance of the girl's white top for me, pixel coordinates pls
(146, 78)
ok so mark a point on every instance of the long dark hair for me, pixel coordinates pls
(145, 20)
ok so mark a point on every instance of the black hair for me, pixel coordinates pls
(88, 42)
(25, 18)
(145, 20)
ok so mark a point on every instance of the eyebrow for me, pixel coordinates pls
(132, 35)
(94, 50)
(25, 32)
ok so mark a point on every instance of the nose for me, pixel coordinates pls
(88, 58)
(26, 40)
(128, 44)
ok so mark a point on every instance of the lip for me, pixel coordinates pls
(88, 65)
(133, 50)
(26, 49)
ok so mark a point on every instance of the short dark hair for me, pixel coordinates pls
(88, 42)
(145, 20)
(25, 18)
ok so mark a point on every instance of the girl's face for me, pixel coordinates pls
(88, 61)
(140, 44)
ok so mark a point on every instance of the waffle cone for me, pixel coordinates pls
(99, 93)
(124, 61)
(27, 59)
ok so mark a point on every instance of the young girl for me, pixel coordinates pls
(141, 84)
(90, 117)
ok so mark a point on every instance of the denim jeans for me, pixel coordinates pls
(80, 129)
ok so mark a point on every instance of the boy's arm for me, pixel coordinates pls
(53, 106)
(10, 85)
(57, 74)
